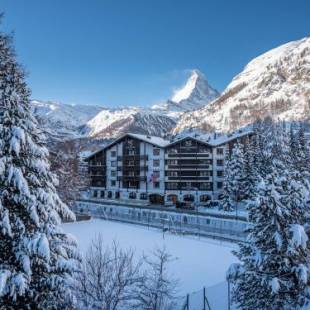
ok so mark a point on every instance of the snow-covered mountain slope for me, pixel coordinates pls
(63, 120)
(275, 84)
(112, 123)
(196, 93)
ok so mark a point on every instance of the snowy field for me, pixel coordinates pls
(198, 262)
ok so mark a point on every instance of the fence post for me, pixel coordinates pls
(204, 298)
(228, 287)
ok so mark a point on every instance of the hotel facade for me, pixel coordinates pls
(145, 168)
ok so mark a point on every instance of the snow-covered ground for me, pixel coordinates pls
(199, 262)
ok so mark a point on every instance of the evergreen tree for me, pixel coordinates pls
(265, 134)
(235, 185)
(36, 258)
(251, 163)
(274, 270)
(303, 154)
(293, 144)
(226, 203)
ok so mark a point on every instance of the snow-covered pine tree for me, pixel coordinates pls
(303, 153)
(274, 270)
(235, 180)
(37, 259)
(264, 135)
(251, 162)
(293, 144)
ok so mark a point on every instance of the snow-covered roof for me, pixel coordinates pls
(222, 139)
(157, 141)
(212, 139)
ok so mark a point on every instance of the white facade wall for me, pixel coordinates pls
(216, 167)
(112, 183)
(148, 186)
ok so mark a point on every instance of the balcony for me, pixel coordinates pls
(131, 178)
(132, 167)
(188, 167)
(189, 178)
(188, 155)
(96, 165)
(132, 157)
(97, 176)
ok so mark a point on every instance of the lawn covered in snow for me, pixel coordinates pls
(198, 262)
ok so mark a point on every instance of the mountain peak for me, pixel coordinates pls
(194, 94)
(195, 78)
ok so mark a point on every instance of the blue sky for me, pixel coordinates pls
(135, 52)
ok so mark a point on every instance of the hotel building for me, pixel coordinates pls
(146, 168)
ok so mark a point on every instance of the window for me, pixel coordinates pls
(113, 173)
(131, 173)
(95, 193)
(132, 195)
(219, 185)
(109, 194)
(188, 198)
(117, 195)
(143, 196)
(220, 162)
(172, 185)
(219, 151)
(172, 162)
(220, 173)
(173, 151)
(132, 184)
(205, 198)
(205, 173)
(113, 153)
(156, 152)
(205, 186)
(101, 194)
(156, 184)
(204, 149)
(172, 173)
(188, 185)
(172, 198)
(205, 161)
(113, 163)
(131, 162)
(131, 152)
(113, 182)
(156, 162)
(95, 163)
(156, 174)
(188, 143)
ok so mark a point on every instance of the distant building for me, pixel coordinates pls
(147, 168)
